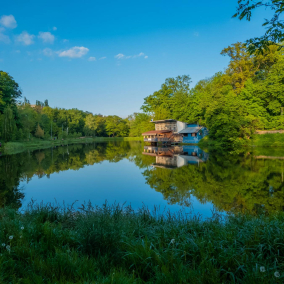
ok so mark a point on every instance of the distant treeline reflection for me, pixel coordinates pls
(251, 182)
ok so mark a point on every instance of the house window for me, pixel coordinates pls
(185, 135)
(193, 134)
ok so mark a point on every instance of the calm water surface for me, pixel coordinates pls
(180, 177)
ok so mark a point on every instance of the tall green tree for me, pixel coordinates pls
(8, 125)
(9, 91)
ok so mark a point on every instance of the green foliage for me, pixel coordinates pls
(116, 126)
(163, 103)
(8, 125)
(139, 123)
(275, 26)
(112, 244)
(39, 132)
(233, 104)
(9, 91)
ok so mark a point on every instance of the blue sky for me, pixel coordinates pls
(106, 56)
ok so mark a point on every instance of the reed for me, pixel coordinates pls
(116, 244)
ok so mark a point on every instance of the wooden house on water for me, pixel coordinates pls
(170, 131)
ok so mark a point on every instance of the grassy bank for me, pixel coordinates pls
(257, 140)
(268, 140)
(35, 144)
(115, 245)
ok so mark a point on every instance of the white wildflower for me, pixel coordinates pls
(262, 269)
(11, 238)
(8, 247)
(3, 245)
(172, 241)
(276, 274)
(22, 228)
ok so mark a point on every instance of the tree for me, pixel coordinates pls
(39, 132)
(90, 125)
(8, 124)
(9, 91)
(162, 103)
(139, 123)
(275, 26)
(116, 126)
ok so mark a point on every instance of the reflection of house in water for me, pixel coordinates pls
(176, 156)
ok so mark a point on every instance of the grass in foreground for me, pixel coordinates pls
(112, 244)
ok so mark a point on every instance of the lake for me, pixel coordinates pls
(131, 173)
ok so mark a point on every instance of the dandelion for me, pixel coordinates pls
(276, 274)
(262, 269)
(11, 238)
(3, 245)
(8, 247)
(172, 241)
(22, 228)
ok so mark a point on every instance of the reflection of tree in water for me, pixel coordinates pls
(231, 183)
(240, 183)
(10, 172)
(40, 163)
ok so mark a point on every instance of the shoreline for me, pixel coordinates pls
(21, 146)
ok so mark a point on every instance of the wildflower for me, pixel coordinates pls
(262, 269)
(172, 241)
(276, 274)
(8, 247)
(11, 238)
(22, 228)
(3, 245)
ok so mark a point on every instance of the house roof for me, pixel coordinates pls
(190, 130)
(154, 132)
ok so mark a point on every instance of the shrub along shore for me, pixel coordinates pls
(112, 244)
(36, 144)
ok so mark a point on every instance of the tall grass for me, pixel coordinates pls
(115, 244)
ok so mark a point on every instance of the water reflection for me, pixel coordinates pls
(181, 175)
(175, 156)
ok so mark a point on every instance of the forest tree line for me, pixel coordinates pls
(232, 104)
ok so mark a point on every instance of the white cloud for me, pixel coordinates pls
(102, 58)
(119, 56)
(46, 37)
(4, 38)
(74, 52)
(54, 28)
(92, 58)
(146, 56)
(196, 34)
(25, 38)
(8, 21)
(48, 52)
(66, 40)
(138, 55)
(122, 56)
